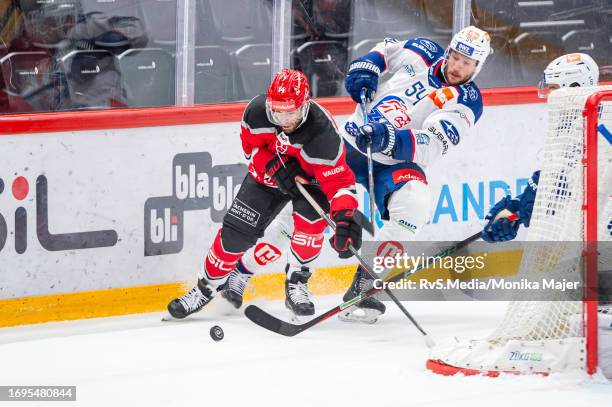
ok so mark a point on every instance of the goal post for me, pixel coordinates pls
(591, 114)
(571, 214)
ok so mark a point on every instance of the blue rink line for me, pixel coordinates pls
(605, 132)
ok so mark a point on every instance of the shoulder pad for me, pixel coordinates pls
(469, 95)
(429, 50)
(255, 113)
(324, 145)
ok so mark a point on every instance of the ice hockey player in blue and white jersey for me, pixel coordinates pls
(422, 103)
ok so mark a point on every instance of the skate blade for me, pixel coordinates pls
(227, 302)
(359, 315)
(298, 319)
(218, 307)
(169, 318)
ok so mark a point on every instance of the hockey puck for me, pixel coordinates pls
(216, 333)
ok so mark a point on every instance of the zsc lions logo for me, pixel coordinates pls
(451, 132)
(394, 110)
(429, 45)
(421, 138)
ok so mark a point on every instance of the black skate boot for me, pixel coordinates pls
(233, 289)
(193, 301)
(297, 296)
(368, 310)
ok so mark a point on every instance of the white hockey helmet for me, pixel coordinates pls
(568, 71)
(473, 43)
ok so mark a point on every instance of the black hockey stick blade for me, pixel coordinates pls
(361, 220)
(271, 323)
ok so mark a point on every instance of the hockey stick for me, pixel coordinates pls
(362, 262)
(271, 323)
(359, 217)
(364, 112)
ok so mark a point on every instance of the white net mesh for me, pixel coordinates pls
(557, 218)
(546, 336)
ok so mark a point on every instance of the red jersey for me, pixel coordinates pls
(316, 144)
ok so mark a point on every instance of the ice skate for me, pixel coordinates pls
(368, 310)
(233, 289)
(193, 301)
(297, 296)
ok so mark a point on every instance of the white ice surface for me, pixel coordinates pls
(140, 361)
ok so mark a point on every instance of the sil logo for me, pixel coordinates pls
(196, 185)
(20, 190)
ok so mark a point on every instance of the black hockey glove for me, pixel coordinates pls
(348, 231)
(283, 170)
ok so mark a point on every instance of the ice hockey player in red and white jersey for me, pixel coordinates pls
(422, 104)
(284, 134)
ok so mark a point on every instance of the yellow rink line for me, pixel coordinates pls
(154, 298)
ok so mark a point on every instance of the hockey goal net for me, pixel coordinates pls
(572, 212)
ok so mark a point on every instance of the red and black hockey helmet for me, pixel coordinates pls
(288, 98)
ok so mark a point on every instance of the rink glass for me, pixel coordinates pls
(146, 53)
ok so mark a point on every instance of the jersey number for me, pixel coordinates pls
(418, 91)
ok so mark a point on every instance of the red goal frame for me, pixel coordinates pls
(590, 211)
